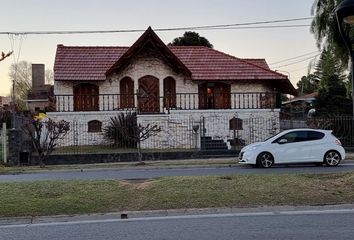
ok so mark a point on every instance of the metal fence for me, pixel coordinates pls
(342, 126)
(178, 101)
(124, 136)
(207, 133)
(3, 143)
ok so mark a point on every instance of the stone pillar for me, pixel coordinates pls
(20, 148)
(15, 143)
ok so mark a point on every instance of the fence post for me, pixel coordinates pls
(4, 142)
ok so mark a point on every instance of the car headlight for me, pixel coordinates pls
(254, 147)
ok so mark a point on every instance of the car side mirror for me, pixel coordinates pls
(282, 141)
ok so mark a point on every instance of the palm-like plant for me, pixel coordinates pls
(120, 130)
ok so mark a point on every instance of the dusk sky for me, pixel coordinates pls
(273, 44)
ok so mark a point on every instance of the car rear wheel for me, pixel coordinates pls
(332, 158)
(265, 160)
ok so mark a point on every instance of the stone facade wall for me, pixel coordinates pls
(143, 65)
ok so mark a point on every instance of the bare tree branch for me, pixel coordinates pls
(5, 55)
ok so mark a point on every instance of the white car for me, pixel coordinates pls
(295, 146)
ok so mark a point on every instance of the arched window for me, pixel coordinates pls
(169, 92)
(126, 93)
(94, 126)
(86, 97)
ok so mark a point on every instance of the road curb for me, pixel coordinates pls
(16, 220)
(165, 213)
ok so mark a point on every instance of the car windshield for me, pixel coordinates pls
(271, 136)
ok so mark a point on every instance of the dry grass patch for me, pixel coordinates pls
(137, 184)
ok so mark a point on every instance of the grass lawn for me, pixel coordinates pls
(79, 197)
(221, 162)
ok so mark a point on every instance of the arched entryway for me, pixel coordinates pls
(214, 96)
(86, 97)
(149, 95)
(126, 86)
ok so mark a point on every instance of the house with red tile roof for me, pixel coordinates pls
(163, 82)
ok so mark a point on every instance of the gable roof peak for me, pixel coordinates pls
(149, 36)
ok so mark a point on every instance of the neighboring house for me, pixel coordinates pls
(166, 85)
(299, 107)
(41, 93)
(4, 101)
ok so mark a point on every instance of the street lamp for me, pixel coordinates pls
(345, 19)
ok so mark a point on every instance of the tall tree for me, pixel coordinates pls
(326, 67)
(191, 39)
(21, 75)
(332, 98)
(49, 76)
(307, 84)
(325, 28)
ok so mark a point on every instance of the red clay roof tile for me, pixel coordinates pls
(74, 63)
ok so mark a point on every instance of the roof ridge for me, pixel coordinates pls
(193, 46)
(64, 46)
(269, 70)
(254, 59)
(245, 61)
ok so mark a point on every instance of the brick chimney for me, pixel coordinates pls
(38, 77)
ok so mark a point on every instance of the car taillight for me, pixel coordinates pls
(338, 142)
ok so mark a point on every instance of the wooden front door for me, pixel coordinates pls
(222, 96)
(149, 95)
(86, 97)
(214, 96)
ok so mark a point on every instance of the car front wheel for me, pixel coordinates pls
(332, 158)
(265, 160)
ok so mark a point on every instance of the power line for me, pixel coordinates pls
(285, 65)
(206, 27)
(259, 27)
(239, 24)
(288, 59)
(299, 69)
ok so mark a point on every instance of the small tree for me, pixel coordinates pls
(45, 135)
(142, 133)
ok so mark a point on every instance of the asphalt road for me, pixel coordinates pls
(139, 173)
(323, 225)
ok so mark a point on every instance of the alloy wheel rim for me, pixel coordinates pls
(332, 158)
(266, 160)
